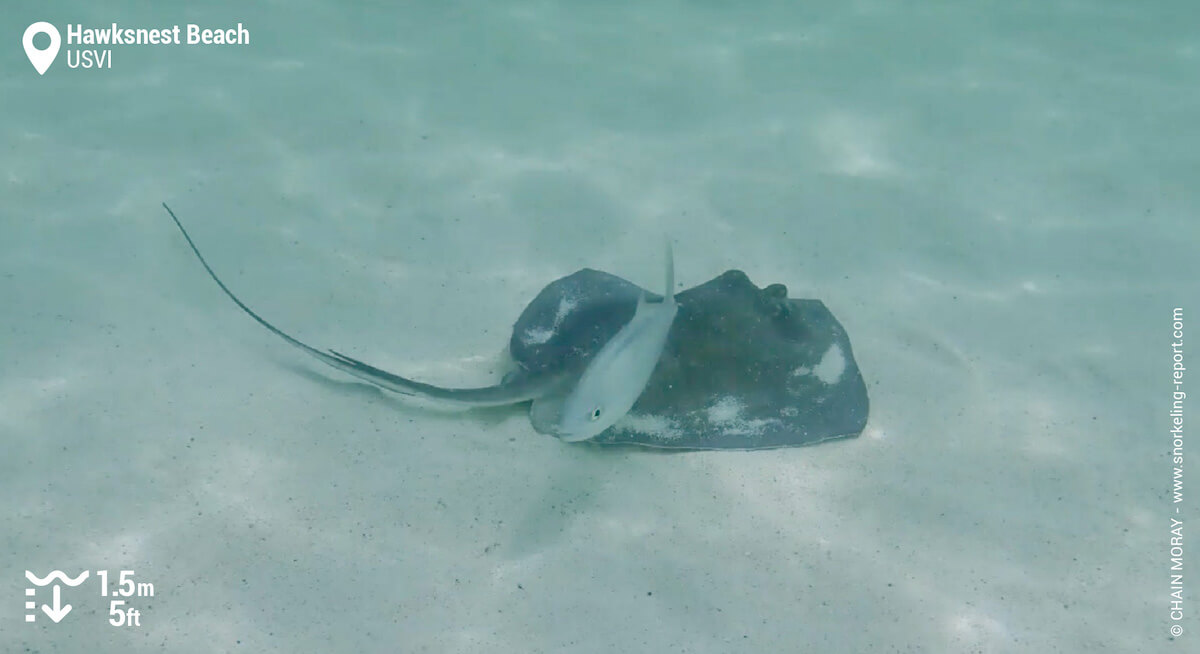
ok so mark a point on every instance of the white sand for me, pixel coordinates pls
(999, 207)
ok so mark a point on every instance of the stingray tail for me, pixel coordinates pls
(485, 396)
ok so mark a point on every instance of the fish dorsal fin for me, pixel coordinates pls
(669, 293)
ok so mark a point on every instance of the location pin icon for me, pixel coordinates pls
(41, 59)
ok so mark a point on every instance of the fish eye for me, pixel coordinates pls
(595, 414)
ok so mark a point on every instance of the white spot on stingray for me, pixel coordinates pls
(832, 365)
(829, 370)
(658, 426)
(727, 409)
(539, 336)
(726, 414)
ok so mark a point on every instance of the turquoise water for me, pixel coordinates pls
(996, 199)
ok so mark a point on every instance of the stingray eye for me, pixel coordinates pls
(596, 414)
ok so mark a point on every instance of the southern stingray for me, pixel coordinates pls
(742, 367)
